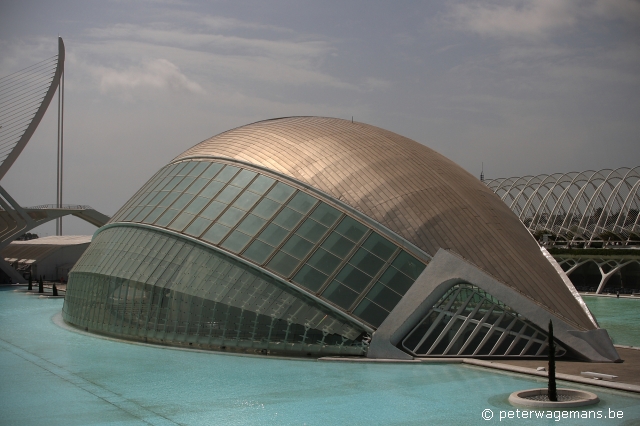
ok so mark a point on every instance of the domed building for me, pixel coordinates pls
(318, 236)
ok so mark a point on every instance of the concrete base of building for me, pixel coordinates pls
(446, 270)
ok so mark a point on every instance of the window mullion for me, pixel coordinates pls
(375, 279)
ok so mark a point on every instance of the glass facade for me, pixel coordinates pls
(470, 322)
(275, 226)
(153, 286)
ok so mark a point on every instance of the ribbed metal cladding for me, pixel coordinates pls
(407, 187)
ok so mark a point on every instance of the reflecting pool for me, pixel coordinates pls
(50, 375)
(621, 317)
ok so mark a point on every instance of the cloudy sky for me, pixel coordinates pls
(527, 87)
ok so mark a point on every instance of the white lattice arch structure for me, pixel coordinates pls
(24, 98)
(607, 266)
(577, 208)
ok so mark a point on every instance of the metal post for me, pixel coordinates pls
(58, 222)
(61, 145)
(60, 157)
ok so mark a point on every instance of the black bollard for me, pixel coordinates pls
(552, 392)
(40, 286)
(30, 283)
(55, 290)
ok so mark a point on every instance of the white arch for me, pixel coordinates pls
(541, 202)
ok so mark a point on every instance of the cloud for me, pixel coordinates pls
(538, 18)
(626, 10)
(213, 52)
(371, 83)
(159, 74)
(223, 23)
(158, 34)
(528, 18)
(155, 2)
(210, 66)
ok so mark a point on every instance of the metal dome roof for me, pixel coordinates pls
(408, 188)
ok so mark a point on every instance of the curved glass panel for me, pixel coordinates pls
(147, 285)
(285, 230)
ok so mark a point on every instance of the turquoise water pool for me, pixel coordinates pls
(621, 317)
(50, 375)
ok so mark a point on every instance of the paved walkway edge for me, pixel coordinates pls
(635, 296)
(627, 347)
(368, 360)
(495, 365)
(560, 376)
